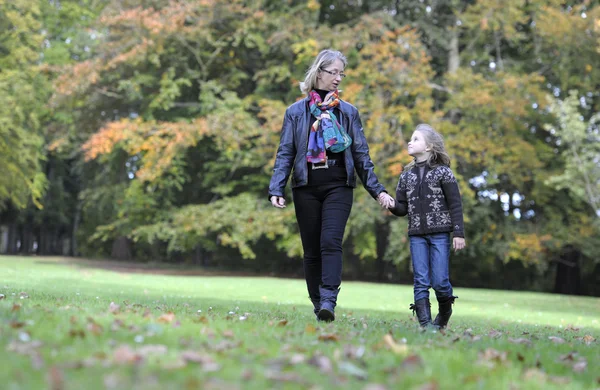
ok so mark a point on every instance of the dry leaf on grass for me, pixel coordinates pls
(329, 337)
(520, 340)
(166, 318)
(114, 308)
(322, 363)
(491, 357)
(207, 362)
(412, 362)
(351, 369)
(55, 379)
(126, 355)
(556, 340)
(400, 349)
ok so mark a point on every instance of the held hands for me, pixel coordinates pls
(278, 201)
(458, 243)
(385, 200)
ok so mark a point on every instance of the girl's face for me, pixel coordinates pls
(417, 146)
(330, 77)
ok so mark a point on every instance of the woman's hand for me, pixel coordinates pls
(458, 243)
(385, 200)
(278, 201)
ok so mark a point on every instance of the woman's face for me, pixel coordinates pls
(330, 77)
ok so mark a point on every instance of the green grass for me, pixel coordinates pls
(259, 333)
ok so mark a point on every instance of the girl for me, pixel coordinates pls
(428, 193)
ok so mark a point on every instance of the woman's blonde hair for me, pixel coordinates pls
(324, 59)
(435, 142)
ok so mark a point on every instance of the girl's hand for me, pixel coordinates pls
(278, 201)
(385, 200)
(458, 243)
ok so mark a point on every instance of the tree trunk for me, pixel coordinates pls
(13, 236)
(74, 251)
(28, 238)
(568, 275)
(382, 232)
(121, 249)
(453, 53)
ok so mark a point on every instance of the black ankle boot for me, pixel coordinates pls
(328, 303)
(423, 309)
(445, 311)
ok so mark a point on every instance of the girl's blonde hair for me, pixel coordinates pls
(435, 142)
(324, 59)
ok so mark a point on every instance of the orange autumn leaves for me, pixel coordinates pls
(160, 143)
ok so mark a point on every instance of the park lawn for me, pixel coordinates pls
(68, 324)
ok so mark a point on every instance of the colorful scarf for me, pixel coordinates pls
(326, 132)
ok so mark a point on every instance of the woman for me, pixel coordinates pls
(322, 142)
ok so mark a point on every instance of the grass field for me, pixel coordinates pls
(68, 324)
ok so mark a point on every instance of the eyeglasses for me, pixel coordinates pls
(334, 74)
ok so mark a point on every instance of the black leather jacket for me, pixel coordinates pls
(293, 147)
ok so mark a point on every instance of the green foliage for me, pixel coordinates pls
(167, 114)
(581, 174)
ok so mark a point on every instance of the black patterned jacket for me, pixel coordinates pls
(433, 205)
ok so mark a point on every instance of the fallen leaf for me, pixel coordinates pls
(354, 352)
(587, 339)
(412, 362)
(572, 328)
(297, 358)
(114, 308)
(429, 386)
(400, 349)
(16, 324)
(322, 362)
(166, 318)
(310, 328)
(352, 370)
(494, 334)
(206, 361)
(284, 377)
(535, 374)
(282, 323)
(77, 333)
(560, 380)
(95, 328)
(16, 307)
(329, 337)
(152, 349)
(491, 355)
(374, 386)
(24, 348)
(55, 379)
(125, 355)
(580, 366)
(520, 357)
(228, 334)
(570, 357)
(557, 340)
(520, 340)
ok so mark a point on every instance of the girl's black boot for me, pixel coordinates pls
(423, 309)
(445, 311)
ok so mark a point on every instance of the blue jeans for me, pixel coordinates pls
(431, 257)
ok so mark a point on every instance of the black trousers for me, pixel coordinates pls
(322, 213)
